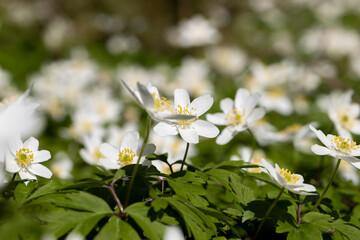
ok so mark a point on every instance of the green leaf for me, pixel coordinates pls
(233, 212)
(139, 212)
(117, 229)
(119, 174)
(22, 191)
(320, 220)
(306, 231)
(50, 187)
(247, 215)
(347, 229)
(284, 227)
(159, 204)
(243, 194)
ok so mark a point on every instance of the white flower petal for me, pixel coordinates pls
(227, 105)
(216, 118)
(270, 169)
(257, 114)
(32, 144)
(321, 137)
(130, 141)
(24, 174)
(251, 103)
(205, 129)
(164, 129)
(305, 187)
(109, 163)
(202, 104)
(189, 135)
(133, 93)
(41, 156)
(356, 128)
(109, 150)
(356, 164)
(11, 164)
(146, 96)
(15, 144)
(40, 170)
(149, 149)
(241, 98)
(181, 97)
(320, 150)
(226, 135)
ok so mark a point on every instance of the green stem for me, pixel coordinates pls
(13, 178)
(148, 124)
(186, 152)
(268, 213)
(253, 143)
(328, 185)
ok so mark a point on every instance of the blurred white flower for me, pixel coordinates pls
(236, 115)
(119, 44)
(193, 32)
(344, 114)
(347, 172)
(115, 134)
(228, 60)
(189, 130)
(91, 153)
(337, 147)
(127, 153)
(292, 182)
(173, 233)
(62, 166)
(250, 157)
(25, 158)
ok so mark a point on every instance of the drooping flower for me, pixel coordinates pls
(127, 153)
(337, 147)
(25, 158)
(159, 108)
(344, 114)
(292, 182)
(237, 115)
(191, 129)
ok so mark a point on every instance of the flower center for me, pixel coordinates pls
(276, 92)
(346, 120)
(185, 111)
(161, 104)
(97, 154)
(126, 156)
(24, 156)
(234, 117)
(345, 145)
(289, 177)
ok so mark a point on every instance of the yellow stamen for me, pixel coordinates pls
(97, 154)
(126, 156)
(185, 111)
(161, 104)
(234, 117)
(345, 145)
(24, 156)
(289, 177)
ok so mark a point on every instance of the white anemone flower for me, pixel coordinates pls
(292, 182)
(344, 114)
(159, 108)
(173, 233)
(91, 153)
(337, 147)
(237, 115)
(25, 158)
(127, 153)
(189, 130)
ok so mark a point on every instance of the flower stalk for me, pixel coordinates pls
(268, 213)
(185, 155)
(148, 125)
(328, 185)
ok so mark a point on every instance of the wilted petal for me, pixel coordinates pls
(149, 149)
